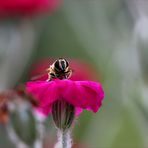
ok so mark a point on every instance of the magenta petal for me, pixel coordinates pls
(78, 111)
(84, 94)
(44, 110)
(45, 92)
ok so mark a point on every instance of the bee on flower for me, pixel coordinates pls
(65, 99)
(59, 69)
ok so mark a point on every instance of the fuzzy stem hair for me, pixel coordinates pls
(64, 139)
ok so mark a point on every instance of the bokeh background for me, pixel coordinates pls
(109, 39)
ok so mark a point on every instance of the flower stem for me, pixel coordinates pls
(63, 115)
(64, 139)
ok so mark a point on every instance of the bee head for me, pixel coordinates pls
(61, 65)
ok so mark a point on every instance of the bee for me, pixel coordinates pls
(59, 69)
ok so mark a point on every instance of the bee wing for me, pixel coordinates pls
(38, 76)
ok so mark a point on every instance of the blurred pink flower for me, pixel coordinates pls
(81, 94)
(81, 70)
(8, 97)
(3, 109)
(10, 8)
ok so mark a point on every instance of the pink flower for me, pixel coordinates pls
(80, 94)
(9, 8)
(81, 70)
(64, 98)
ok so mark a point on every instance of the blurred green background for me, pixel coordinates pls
(110, 35)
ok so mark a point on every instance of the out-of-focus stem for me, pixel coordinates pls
(40, 129)
(40, 135)
(14, 138)
(16, 42)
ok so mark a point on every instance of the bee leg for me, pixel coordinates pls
(48, 80)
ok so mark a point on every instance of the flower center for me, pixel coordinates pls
(63, 114)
